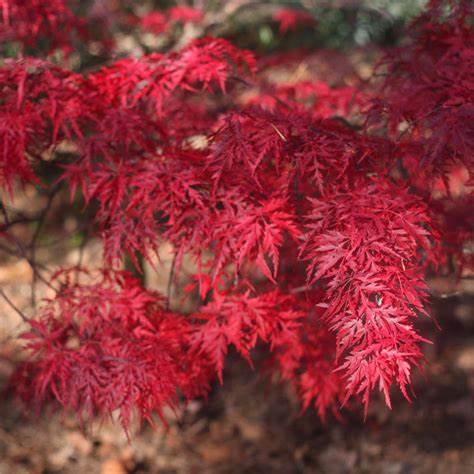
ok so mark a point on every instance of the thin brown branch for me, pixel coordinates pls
(14, 306)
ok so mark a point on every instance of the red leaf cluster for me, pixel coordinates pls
(367, 245)
(41, 105)
(428, 94)
(160, 22)
(33, 22)
(109, 346)
(309, 235)
(291, 18)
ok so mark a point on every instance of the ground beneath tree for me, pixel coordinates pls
(252, 426)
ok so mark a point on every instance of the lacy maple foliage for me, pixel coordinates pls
(308, 235)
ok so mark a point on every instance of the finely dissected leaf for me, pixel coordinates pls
(374, 279)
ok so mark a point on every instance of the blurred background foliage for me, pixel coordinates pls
(337, 23)
(252, 24)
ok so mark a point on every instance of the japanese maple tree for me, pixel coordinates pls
(311, 213)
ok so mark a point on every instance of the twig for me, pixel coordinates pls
(302, 289)
(170, 282)
(14, 306)
(23, 254)
(82, 248)
(35, 237)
